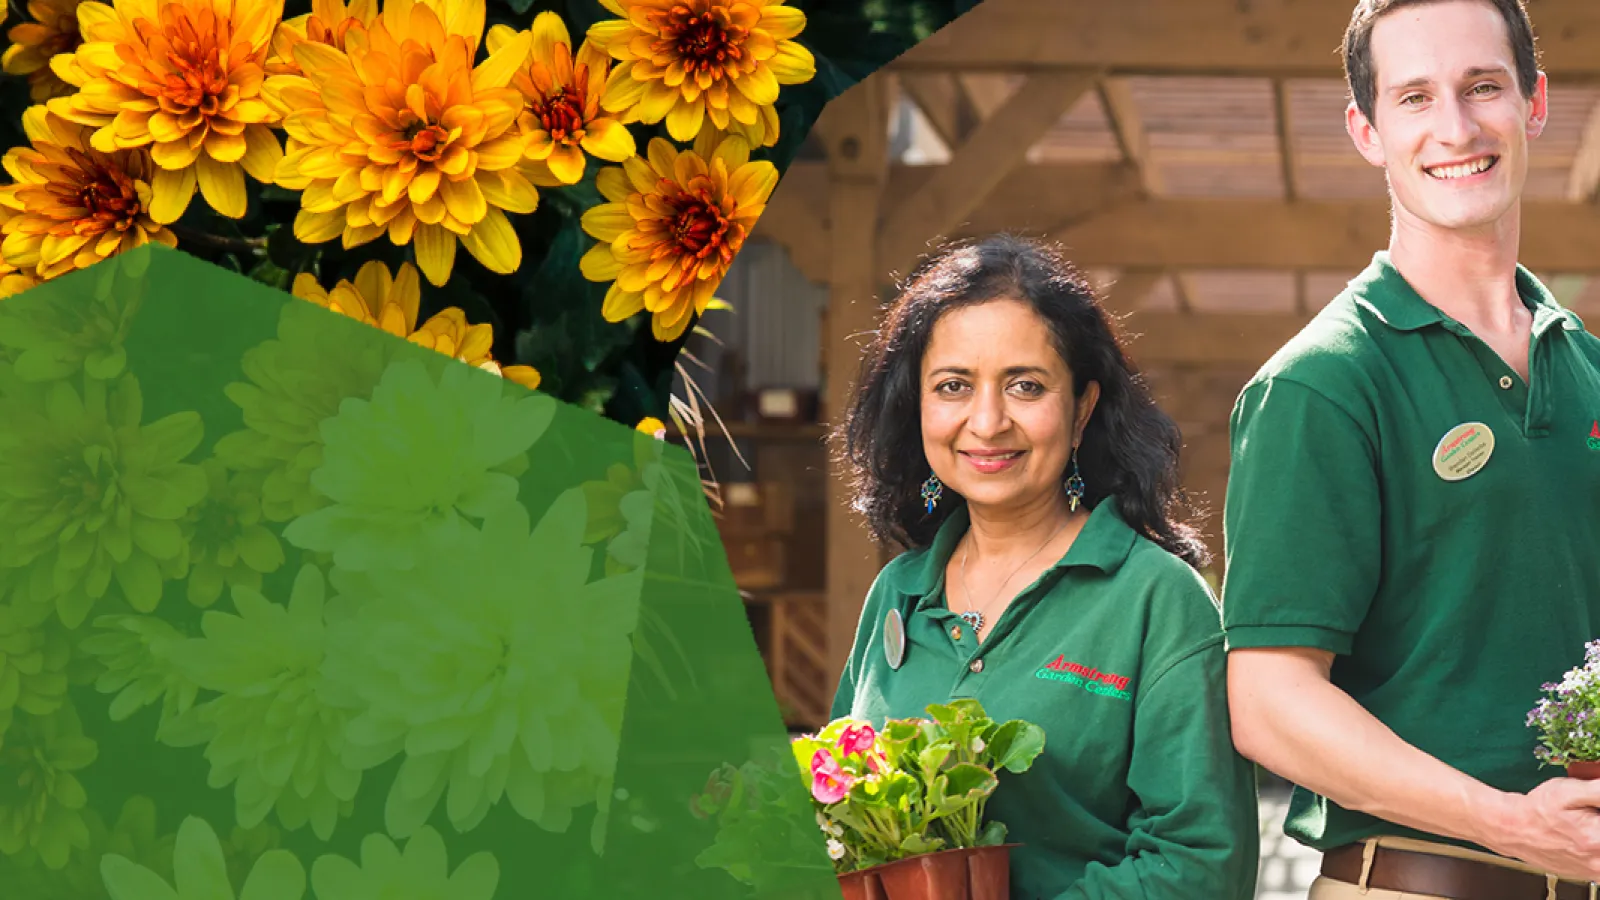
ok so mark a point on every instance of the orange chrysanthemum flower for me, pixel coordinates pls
(402, 135)
(392, 303)
(71, 205)
(564, 119)
(328, 23)
(689, 60)
(673, 225)
(54, 30)
(182, 77)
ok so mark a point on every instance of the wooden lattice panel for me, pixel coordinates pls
(798, 660)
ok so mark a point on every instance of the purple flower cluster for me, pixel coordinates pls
(1568, 717)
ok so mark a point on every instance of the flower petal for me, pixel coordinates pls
(222, 184)
(609, 139)
(315, 228)
(436, 252)
(494, 243)
(262, 153)
(171, 192)
(496, 71)
(620, 304)
(464, 200)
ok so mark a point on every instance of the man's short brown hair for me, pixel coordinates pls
(1361, 75)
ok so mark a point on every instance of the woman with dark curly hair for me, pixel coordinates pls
(1001, 435)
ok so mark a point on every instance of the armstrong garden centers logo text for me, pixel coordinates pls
(1090, 679)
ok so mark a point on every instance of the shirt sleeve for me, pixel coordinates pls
(1194, 833)
(1302, 521)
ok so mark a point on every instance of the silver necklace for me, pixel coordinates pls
(974, 617)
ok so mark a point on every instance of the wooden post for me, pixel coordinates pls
(855, 129)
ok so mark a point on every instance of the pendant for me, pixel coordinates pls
(973, 618)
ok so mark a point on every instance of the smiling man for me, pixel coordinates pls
(1413, 511)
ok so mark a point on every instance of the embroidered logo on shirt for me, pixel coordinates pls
(1089, 678)
(1594, 436)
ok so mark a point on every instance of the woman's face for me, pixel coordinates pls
(998, 417)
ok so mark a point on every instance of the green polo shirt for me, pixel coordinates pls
(1116, 652)
(1447, 602)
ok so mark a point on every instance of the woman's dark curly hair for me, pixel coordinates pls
(1129, 449)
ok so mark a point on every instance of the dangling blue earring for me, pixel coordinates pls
(932, 489)
(1074, 484)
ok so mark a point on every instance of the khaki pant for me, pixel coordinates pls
(1328, 889)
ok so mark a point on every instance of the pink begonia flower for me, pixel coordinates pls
(829, 783)
(856, 739)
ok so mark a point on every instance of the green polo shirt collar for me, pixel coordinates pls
(1104, 544)
(1399, 306)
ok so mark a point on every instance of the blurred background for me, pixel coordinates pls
(1192, 157)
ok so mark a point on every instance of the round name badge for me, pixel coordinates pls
(894, 639)
(1463, 451)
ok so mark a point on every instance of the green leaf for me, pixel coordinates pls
(901, 739)
(993, 835)
(962, 786)
(273, 275)
(901, 791)
(933, 758)
(918, 844)
(1015, 745)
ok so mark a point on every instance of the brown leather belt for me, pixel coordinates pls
(1443, 876)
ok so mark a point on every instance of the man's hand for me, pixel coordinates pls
(1290, 718)
(1554, 827)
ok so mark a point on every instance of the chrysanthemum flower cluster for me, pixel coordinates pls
(402, 119)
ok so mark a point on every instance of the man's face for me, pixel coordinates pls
(1450, 126)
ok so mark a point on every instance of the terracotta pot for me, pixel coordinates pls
(989, 872)
(862, 885)
(1587, 770)
(982, 873)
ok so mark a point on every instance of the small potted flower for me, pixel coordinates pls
(1568, 719)
(903, 809)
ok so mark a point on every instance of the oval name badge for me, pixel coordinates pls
(894, 639)
(1463, 451)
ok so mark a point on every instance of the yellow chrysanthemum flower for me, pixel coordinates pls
(54, 30)
(392, 304)
(182, 77)
(402, 135)
(329, 22)
(689, 60)
(71, 205)
(563, 119)
(652, 426)
(673, 225)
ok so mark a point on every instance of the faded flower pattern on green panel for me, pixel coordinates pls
(291, 608)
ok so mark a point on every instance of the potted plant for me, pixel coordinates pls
(1568, 719)
(903, 808)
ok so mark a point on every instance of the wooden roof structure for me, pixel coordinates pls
(1191, 156)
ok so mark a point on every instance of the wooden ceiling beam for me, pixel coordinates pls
(1280, 96)
(978, 166)
(1122, 113)
(1273, 234)
(943, 102)
(1210, 339)
(1289, 37)
(1031, 200)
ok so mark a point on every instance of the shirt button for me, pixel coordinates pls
(955, 633)
(977, 666)
(1505, 382)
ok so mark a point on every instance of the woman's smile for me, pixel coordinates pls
(989, 462)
